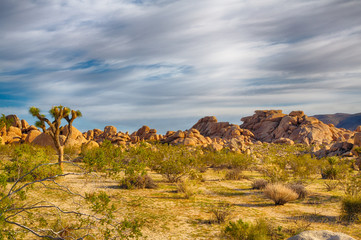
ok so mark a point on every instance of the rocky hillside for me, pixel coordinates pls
(270, 126)
(341, 120)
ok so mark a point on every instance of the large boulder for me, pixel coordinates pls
(321, 235)
(15, 121)
(357, 139)
(44, 140)
(146, 134)
(209, 126)
(32, 135)
(110, 130)
(75, 134)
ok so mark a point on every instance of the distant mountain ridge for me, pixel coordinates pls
(341, 120)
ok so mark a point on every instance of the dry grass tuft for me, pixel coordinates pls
(259, 184)
(280, 194)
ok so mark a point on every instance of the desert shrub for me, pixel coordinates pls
(173, 163)
(233, 174)
(5, 122)
(221, 211)
(187, 188)
(275, 172)
(330, 185)
(303, 166)
(334, 168)
(351, 208)
(71, 152)
(299, 189)
(259, 183)
(261, 230)
(135, 173)
(107, 158)
(25, 158)
(138, 182)
(280, 194)
(357, 150)
(226, 159)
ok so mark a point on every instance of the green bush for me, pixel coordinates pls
(221, 211)
(303, 166)
(187, 188)
(351, 208)
(107, 158)
(25, 158)
(335, 168)
(5, 122)
(261, 230)
(174, 162)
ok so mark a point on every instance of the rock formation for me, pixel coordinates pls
(275, 126)
(321, 235)
(272, 126)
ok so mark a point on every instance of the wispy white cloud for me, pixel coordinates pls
(122, 62)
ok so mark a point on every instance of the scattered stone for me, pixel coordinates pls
(321, 235)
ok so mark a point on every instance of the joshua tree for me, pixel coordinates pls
(58, 113)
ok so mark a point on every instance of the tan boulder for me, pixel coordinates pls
(357, 139)
(24, 124)
(44, 140)
(110, 130)
(190, 142)
(15, 121)
(284, 141)
(3, 131)
(142, 131)
(31, 128)
(89, 135)
(358, 129)
(97, 133)
(209, 126)
(14, 131)
(216, 146)
(299, 114)
(74, 134)
(2, 142)
(32, 135)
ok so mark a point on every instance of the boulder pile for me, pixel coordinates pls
(277, 127)
(271, 126)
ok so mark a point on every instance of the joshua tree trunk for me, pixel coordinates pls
(61, 157)
(58, 113)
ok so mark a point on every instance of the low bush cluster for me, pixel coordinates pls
(25, 160)
(261, 230)
(280, 194)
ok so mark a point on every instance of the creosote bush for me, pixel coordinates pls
(351, 208)
(138, 182)
(187, 188)
(334, 168)
(280, 194)
(261, 230)
(221, 211)
(25, 158)
(107, 158)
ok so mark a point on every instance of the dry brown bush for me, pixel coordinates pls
(259, 184)
(279, 193)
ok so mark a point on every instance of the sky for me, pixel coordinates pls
(168, 63)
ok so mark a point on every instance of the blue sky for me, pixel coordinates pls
(167, 63)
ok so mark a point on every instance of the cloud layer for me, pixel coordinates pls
(166, 63)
